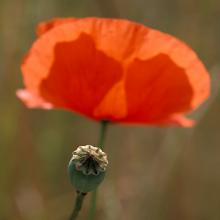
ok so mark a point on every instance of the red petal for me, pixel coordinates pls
(32, 101)
(70, 74)
(114, 69)
(45, 26)
(162, 89)
(113, 106)
(179, 120)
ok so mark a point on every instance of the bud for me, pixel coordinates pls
(87, 168)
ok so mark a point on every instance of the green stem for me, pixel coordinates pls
(101, 140)
(102, 134)
(78, 204)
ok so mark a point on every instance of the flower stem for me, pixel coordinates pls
(78, 204)
(102, 134)
(101, 140)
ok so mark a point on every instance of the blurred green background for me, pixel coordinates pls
(155, 173)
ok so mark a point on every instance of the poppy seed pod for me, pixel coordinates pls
(87, 168)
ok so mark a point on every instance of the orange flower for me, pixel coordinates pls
(113, 69)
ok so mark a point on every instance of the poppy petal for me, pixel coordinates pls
(179, 120)
(163, 88)
(158, 43)
(114, 69)
(45, 26)
(113, 106)
(68, 73)
(33, 101)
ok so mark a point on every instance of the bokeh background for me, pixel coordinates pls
(155, 173)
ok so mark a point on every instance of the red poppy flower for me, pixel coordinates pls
(113, 69)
